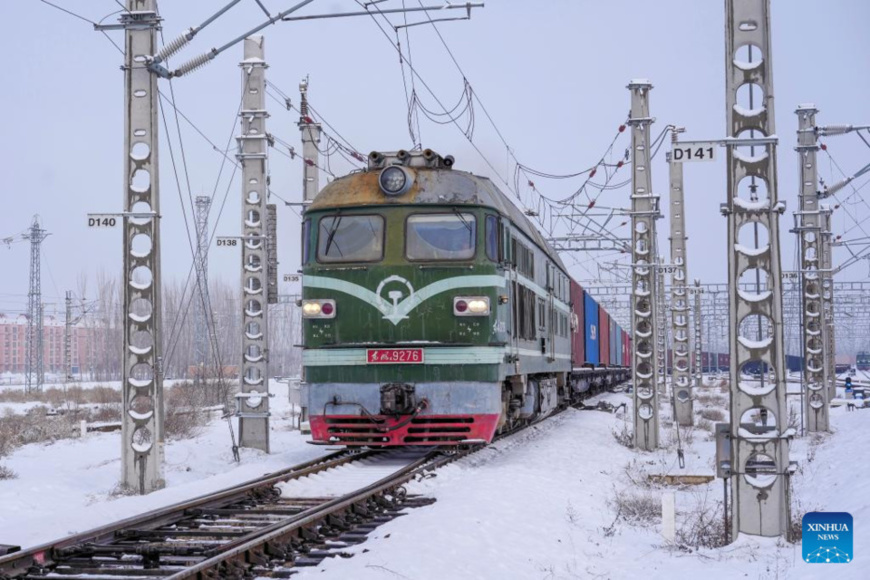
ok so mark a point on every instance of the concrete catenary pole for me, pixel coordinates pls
(142, 375)
(828, 300)
(644, 211)
(661, 324)
(760, 439)
(809, 231)
(253, 407)
(681, 380)
(201, 301)
(311, 132)
(34, 349)
(698, 342)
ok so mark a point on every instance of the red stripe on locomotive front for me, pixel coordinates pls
(421, 430)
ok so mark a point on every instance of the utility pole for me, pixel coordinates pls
(34, 371)
(699, 371)
(310, 140)
(681, 380)
(142, 385)
(201, 303)
(809, 231)
(759, 439)
(253, 400)
(644, 211)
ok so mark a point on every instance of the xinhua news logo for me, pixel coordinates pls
(827, 538)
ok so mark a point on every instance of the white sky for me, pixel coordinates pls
(552, 74)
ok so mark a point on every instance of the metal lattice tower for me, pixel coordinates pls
(759, 440)
(34, 371)
(253, 407)
(142, 384)
(681, 380)
(310, 140)
(809, 231)
(201, 304)
(644, 211)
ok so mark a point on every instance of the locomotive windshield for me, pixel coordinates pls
(350, 238)
(441, 236)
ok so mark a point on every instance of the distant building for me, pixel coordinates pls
(13, 345)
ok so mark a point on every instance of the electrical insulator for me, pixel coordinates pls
(621, 128)
(592, 173)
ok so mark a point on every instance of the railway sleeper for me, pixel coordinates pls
(231, 569)
(113, 572)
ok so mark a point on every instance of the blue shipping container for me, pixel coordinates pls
(590, 310)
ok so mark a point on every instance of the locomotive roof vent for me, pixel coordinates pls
(418, 159)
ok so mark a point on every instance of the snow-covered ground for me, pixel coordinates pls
(540, 504)
(66, 487)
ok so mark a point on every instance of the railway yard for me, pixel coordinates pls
(606, 316)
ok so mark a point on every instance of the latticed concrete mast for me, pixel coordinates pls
(142, 376)
(644, 211)
(759, 450)
(253, 407)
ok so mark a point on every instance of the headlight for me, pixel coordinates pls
(318, 308)
(471, 305)
(395, 180)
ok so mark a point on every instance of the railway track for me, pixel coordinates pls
(266, 527)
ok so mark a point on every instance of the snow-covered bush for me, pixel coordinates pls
(636, 507)
(624, 436)
(184, 416)
(6, 473)
(713, 414)
(702, 526)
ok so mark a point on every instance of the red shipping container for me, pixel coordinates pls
(604, 329)
(626, 349)
(578, 336)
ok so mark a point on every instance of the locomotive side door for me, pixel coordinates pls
(551, 312)
(507, 257)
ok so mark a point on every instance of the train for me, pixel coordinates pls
(435, 313)
(862, 361)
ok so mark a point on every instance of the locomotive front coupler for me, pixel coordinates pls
(398, 399)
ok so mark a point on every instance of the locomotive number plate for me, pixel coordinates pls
(376, 356)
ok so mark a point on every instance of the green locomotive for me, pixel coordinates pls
(433, 311)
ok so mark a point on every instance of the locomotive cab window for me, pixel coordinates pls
(306, 245)
(449, 236)
(492, 238)
(350, 238)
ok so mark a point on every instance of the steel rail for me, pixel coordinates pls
(249, 550)
(17, 563)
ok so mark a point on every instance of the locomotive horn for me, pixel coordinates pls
(376, 159)
(402, 156)
(448, 161)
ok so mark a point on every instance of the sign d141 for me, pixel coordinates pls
(694, 151)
